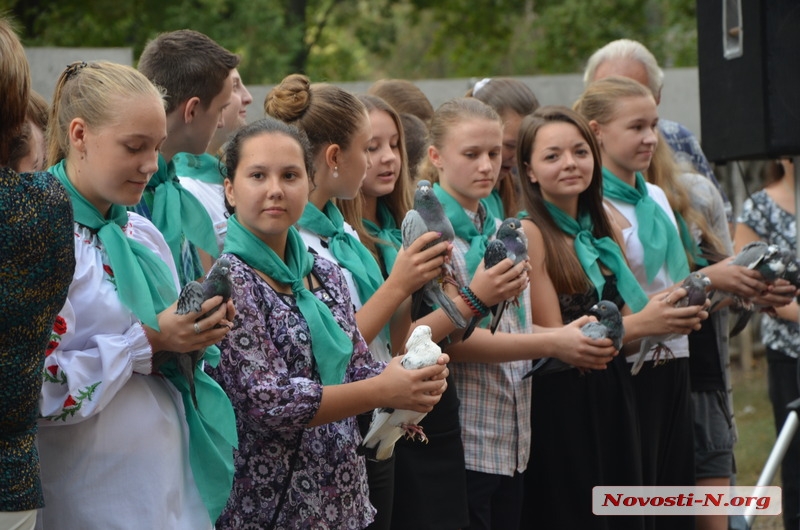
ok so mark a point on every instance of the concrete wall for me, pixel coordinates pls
(680, 98)
(48, 63)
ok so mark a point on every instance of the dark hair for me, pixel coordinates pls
(233, 149)
(404, 96)
(506, 93)
(562, 265)
(187, 64)
(37, 115)
(15, 82)
(326, 113)
(416, 133)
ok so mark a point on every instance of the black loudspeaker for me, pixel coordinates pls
(749, 70)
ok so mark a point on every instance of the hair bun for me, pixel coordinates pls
(289, 100)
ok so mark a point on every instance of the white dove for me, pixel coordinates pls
(388, 425)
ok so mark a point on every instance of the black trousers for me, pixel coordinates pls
(495, 501)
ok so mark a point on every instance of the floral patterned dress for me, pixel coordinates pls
(311, 476)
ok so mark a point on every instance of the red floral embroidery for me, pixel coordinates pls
(53, 369)
(108, 270)
(51, 346)
(60, 325)
(69, 402)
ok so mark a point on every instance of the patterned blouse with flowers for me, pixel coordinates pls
(38, 261)
(113, 437)
(267, 369)
(776, 226)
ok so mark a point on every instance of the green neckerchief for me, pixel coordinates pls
(592, 251)
(465, 228)
(688, 241)
(331, 346)
(145, 286)
(204, 168)
(494, 205)
(175, 211)
(348, 251)
(660, 240)
(391, 240)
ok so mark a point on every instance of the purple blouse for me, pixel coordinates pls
(267, 369)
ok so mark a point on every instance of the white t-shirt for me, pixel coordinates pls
(212, 197)
(635, 254)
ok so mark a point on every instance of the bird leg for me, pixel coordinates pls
(662, 354)
(413, 431)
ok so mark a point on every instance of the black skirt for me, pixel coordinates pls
(585, 433)
(430, 479)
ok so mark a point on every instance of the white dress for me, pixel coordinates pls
(635, 254)
(113, 439)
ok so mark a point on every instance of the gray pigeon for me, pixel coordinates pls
(608, 325)
(777, 263)
(388, 425)
(696, 285)
(510, 242)
(757, 255)
(218, 282)
(428, 216)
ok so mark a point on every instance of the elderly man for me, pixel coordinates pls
(629, 58)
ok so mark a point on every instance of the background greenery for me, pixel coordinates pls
(371, 39)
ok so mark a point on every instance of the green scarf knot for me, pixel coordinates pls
(176, 212)
(591, 251)
(348, 251)
(331, 346)
(660, 240)
(466, 229)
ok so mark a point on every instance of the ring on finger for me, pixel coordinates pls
(197, 328)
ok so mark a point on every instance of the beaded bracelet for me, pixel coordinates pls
(478, 308)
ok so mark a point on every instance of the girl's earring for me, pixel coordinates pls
(336, 172)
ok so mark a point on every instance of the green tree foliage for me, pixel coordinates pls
(369, 39)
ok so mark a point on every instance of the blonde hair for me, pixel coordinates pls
(448, 116)
(399, 201)
(93, 92)
(664, 172)
(600, 99)
(15, 82)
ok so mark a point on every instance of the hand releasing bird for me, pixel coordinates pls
(510, 242)
(695, 284)
(388, 425)
(428, 216)
(218, 283)
(607, 326)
